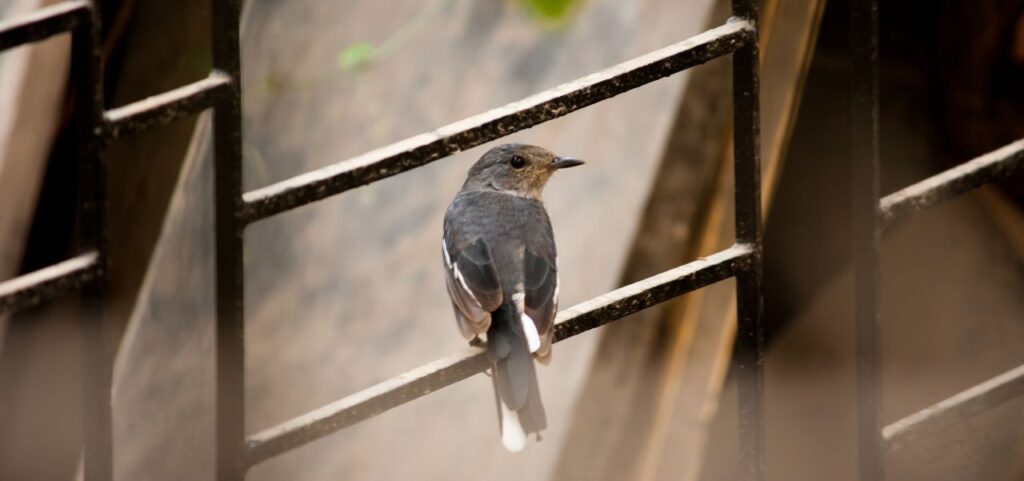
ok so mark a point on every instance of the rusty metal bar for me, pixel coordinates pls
(866, 233)
(166, 107)
(550, 104)
(749, 347)
(449, 370)
(977, 399)
(749, 355)
(999, 163)
(97, 355)
(230, 274)
(42, 23)
(32, 288)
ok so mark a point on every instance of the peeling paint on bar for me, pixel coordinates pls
(42, 23)
(980, 398)
(229, 245)
(454, 368)
(473, 131)
(748, 351)
(998, 164)
(32, 288)
(165, 108)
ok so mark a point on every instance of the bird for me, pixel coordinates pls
(502, 276)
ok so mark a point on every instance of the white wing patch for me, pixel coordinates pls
(462, 282)
(558, 283)
(455, 271)
(512, 435)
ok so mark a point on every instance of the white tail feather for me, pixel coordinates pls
(512, 435)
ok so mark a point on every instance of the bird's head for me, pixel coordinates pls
(517, 169)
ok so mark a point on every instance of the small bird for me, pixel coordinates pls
(502, 276)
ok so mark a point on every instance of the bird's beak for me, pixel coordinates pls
(566, 162)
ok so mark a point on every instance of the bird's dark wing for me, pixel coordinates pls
(540, 280)
(472, 281)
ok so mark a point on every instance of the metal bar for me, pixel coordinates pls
(165, 108)
(866, 232)
(48, 282)
(999, 163)
(42, 23)
(978, 399)
(230, 273)
(749, 303)
(550, 104)
(97, 357)
(449, 370)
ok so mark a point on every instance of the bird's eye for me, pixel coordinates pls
(517, 162)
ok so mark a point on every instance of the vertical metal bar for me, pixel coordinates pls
(227, 135)
(866, 231)
(97, 358)
(750, 329)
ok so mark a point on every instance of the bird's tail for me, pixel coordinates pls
(516, 392)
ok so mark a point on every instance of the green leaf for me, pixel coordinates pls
(356, 55)
(550, 9)
(271, 83)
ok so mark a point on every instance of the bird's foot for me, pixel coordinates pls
(480, 343)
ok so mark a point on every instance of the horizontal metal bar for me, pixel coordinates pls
(959, 407)
(165, 108)
(550, 104)
(48, 282)
(454, 368)
(42, 23)
(953, 182)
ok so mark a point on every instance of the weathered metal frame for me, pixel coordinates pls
(456, 367)
(737, 37)
(95, 127)
(473, 131)
(871, 216)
